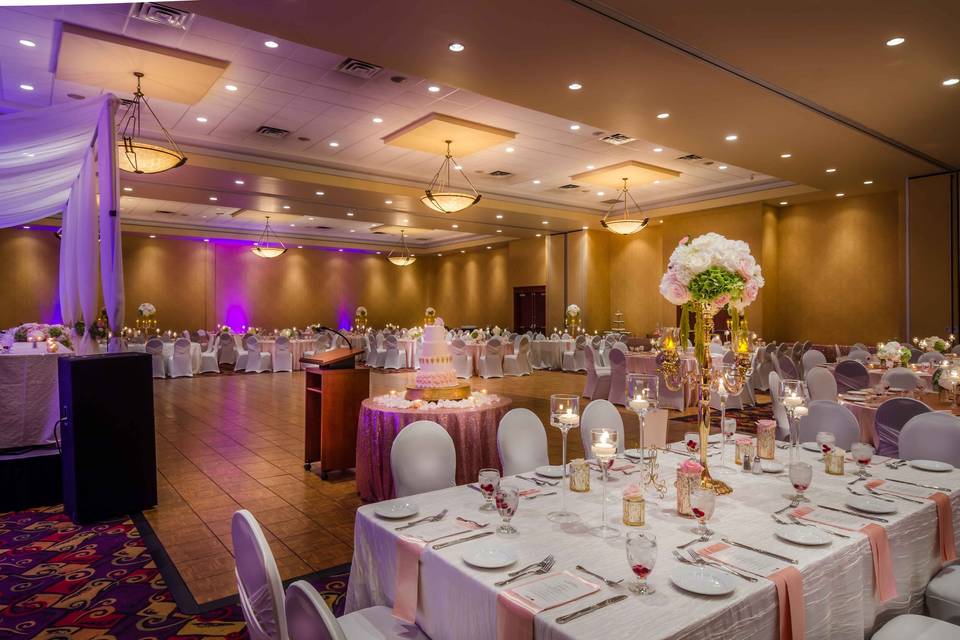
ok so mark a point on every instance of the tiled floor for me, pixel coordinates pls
(236, 441)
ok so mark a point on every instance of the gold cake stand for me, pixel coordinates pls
(459, 391)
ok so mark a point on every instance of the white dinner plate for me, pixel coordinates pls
(396, 509)
(869, 504)
(807, 536)
(931, 465)
(489, 556)
(771, 466)
(634, 454)
(550, 471)
(702, 580)
(810, 446)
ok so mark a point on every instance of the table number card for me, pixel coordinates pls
(743, 559)
(554, 590)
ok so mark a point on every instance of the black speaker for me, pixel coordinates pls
(109, 445)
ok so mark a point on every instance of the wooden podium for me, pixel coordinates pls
(335, 390)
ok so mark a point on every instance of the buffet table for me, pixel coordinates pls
(459, 601)
(29, 397)
(474, 433)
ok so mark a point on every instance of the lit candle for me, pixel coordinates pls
(793, 400)
(743, 346)
(640, 403)
(668, 344)
(569, 417)
(800, 411)
(604, 448)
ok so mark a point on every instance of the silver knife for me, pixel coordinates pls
(762, 551)
(919, 484)
(853, 513)
(582, 612)
(468, 538)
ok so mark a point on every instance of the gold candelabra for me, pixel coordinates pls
(704, 376)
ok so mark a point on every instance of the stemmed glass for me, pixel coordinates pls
(604, 448)
(826, 441)
(862, 454)
(702, 504)
(641, 556)
(489, 481)
(507, 498)
(729, 427)
(801, 473)
(564, 415)
(794, 398)
(642, 392)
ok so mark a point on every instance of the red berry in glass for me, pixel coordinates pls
(692, 445)
(800, 487)
(698, 513)
(640, 571)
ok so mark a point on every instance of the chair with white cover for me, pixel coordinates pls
(462, 361)
(779, 412)
(392, 358)
(179, 364)
(422, 459)
(370, 351)
(860, 355)
(257, 361)
(933, 357)
(154, 347)
(914, 353)
(956, 350)
(601, 414)
(859, 345)
(829, 416)
(788, 368)
(597, 343)
(851, 375)
(943, 595)
(811, 359)
(598, 378)
(931, 436)
(618, 377)
(282, 356)
(775, 363)
(916, 627)
(490, 363)
(900, 378)
(522, 442)
(258, 579)
(241, 364)
(209, 356)
(891, 417)
(575, 360)
(518, 362)
(821, 384)
(226, 349)
(309, 618)
(762, 366)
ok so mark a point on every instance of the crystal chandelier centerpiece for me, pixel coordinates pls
(624, 223)
(405, 258)
(137, 156)
(440, 194)
(267, 248)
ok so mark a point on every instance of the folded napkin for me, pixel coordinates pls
(789, 585)
(948, 544)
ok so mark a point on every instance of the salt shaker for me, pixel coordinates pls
(747, 462)
(757, 465)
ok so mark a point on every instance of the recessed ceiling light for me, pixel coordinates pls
(574, 86)
(206, 239)
(388, 202)
(271, 44)
(536, 182)
(379, 252)
(286, 206)
(786, 155)
(456, 47)
(509, 149)
(350, 213)
(462, 251)
(539, 235)
(238, 182)
(299, 246)
(868, 182)
(28, 43)
(545, 222)
(657, 149)
(895, 42)
(841, 194)
(455, 226)
(499, 230)
(27, 87)
(230, 87)
(574, 127)
(320, 193)
(353, 230)
(599, 193)
(212, 198)
(784, 202)
(151, 235)
(26, 226)
(311, 218)
(589, 166)
(584, 228)
(377, 119)
(661, 222)
(722, 167)
(458, 167)
(405, 221)
(439, 255)
(499, 216)
(489, 247)
(128, 188)
(831, 170)
(334, 144)
(731, 137)
(949, 82)
(201, 119)
(433, 88)
(656, 182)
(340, 250)
(663, 116)
(292, 225)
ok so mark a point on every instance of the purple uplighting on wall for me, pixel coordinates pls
(236, 317)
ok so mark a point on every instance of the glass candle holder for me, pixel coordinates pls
(688, 479)
(766, 439)
(833, 462)
(744, 448)
(579, 475)
(634, 508)
(564, 415)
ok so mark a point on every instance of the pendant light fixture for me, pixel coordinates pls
(624, 224)
(405, 258)
(439, 196)
(137, 156)
(267, 249)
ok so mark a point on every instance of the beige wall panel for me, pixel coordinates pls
(929, 238)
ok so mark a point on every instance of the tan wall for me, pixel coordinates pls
(30, 289)
(472, 288)
(635, 271)
(930, 273)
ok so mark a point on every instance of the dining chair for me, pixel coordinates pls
(829, 416)
(209, 356)
(309, 618)
(911, 625)
(891, 416)
(901, 378)
(915, 353)
(259, 586)
(154, 347)
(462, 361)
(618, 377)
(821, 384)
(490, 363)
(942, 595)
(257, 361)
(575, 359)
(522, 442)
(860, 355)
(788, 368)
(597, 343)
(392, 358)
(282, 356)
(931, 356)
(242, 354)
(860, 346)
(600, 414)
(518, 362)
(179, 363)
(931, 436)
(775, 364)
(811, 359)
(226, 349)
(779, 412)
(851, 375)
(422, 459)
(598, 378)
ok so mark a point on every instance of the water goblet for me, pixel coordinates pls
(827, 441)
(489, 480)
(801, 473)
(564, 415)
(642, 557)
(507, 500)
(862, 454)
(729, 428)
(702, 504)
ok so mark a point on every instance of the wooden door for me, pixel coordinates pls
(529, 308)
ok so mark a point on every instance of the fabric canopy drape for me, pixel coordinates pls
(52, 161)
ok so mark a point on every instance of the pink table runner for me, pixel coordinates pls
(474, 433)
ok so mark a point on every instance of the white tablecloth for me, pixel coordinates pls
(548, 354)
(195, 351)
(297, 347)
(457, 601)
(29, 397)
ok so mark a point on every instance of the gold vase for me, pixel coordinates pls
(703, 331)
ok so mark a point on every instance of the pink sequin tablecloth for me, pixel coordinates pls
(474, 433)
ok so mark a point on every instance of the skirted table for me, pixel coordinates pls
(474, 433)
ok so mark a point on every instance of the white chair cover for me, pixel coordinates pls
(490, 364)
(154, 347)
(257, 361)
(943, 595)
(931, 436)
(241, 353)
(391, 355)
(910, 626)
(226, 349)
(900, 378)
(258, 580)
(575, 360)
(858, 354)
(462, 361)
(851, 375)
(209, 356)
(598, 378)
(600, 414)
(891, 416)
(518, 363)
(821, 384)
(830, 416)
(618, 376)
(812, 359)
(282, 356)
(931, 356)
(180, 364)
(422, 459)
(522, 442)
(779, 413)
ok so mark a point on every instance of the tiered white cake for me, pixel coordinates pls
(436, 363)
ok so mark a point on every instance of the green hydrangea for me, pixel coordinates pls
(714, 282)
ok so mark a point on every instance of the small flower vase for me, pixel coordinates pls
(833, 462)
(634, 507)
(744, 448)
(766, 439)
(686, 482)
(579, 475)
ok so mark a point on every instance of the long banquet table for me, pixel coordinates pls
(458, 601)
(29, 397)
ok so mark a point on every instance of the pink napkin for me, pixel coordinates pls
(948, 545)
(528, 492)
(407, 584)
(515, 614)
(789, 585)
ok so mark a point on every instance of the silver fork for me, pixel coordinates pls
(538, 481)
(540, 495)
(532, 565)
(892, 495)
(863, 495)
(696, 558)
(433, 518)
(796, 520)
(607, 581)
(473, 522)
(545, 568)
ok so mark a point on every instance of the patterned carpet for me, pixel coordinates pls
(62, 580)
(746, 418)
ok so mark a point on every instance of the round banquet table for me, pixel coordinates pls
(548, 354)
(474, 433)
(926, 378)
(866, 413)
(477, 349)
(297, 347)
(195, 350)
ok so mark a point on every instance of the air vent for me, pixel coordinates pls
(569, 186)
(500, 174)
(617, 139)
(320, 226)
(272, 132)
(611, 201)
(125, 103)
(380, 233)
(162, 14)
(164, 211)
(359, 68)
(690, 157)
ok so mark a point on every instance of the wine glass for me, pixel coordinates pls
(564, 415)
(801, 473)
(827, 441)
(641, 556)
(862, 454)
(489, 480)
(507, 499)
(603, 445)
(692, 441)
(728, 427)
(702, 504)
(643, 391)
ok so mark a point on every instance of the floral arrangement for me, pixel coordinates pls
(361, 312)
(38, 332)
(475, 334)
(252, 331)
(99, 329)
(713, 270)
(934, 343)
(146, 310)
(573, 311)
(894, 351)
(415, 332)
(287, 333)
(225, 330)
(497, 331)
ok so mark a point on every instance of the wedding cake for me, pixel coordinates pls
(436, 363)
